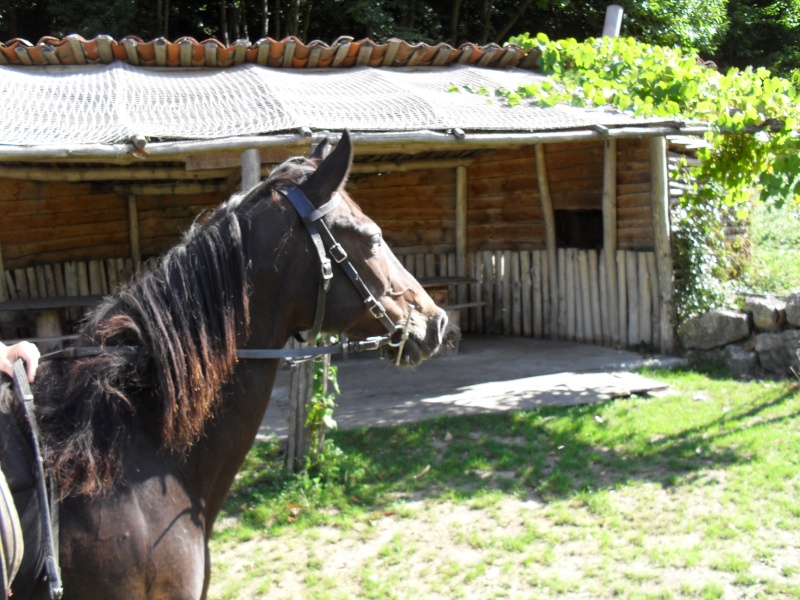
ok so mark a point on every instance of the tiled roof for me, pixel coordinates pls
(289, 52)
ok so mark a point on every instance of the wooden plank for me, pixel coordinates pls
(561, 300)
(570, 293)
(645, 323)
(536, 294)
(526, 293)
(58, 272)
(507, 300)
(594, 298)
(656, 302)
(661, 236)
(461, 221)
(548, 326)
(582, 304)
(111, 272)
(21, 283)
(83, 278)
(622, 298)
(50, 281)
(586, 296)
(550, 228)
(41, 281)
(610, 236)
(632, 272)
(133, 230)
(515, 309)
(33, 287)
(605, 320)
(488, 290)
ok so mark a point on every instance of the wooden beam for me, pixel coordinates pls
(365, 143)
(133, 230)
(659, 201)
(251, 169)
(610, 236)
(461, 221)
(550, 231)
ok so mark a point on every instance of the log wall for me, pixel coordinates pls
(511, 294)
(53, 233)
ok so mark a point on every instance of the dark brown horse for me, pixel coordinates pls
(147, 434)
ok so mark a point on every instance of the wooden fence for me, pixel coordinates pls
(510, 294)
(507, 293)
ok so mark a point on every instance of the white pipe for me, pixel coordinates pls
(613, 21)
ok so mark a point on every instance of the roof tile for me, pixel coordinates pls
(289, 52)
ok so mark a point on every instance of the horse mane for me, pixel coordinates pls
(183, 317)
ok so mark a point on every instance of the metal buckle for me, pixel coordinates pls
(375, 307)
(369, 344)
(327, 269)
(337, 253)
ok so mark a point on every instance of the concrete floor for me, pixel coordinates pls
(488, 374)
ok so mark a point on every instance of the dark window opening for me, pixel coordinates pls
(579, 229)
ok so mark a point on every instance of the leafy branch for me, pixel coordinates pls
(751, 154)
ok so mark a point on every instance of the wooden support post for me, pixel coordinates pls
(610, 238)
(251, 169)
(301, 389)
(659, 201)
(3, 288)
(461, 231)
(550, 231)
(133, 230)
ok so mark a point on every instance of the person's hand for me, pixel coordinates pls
(26, 351)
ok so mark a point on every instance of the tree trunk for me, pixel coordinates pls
(223, 17)
(501, 37)
(277, 19)
(454, 22)
(486, 18)
(264, 32)
(306, 20)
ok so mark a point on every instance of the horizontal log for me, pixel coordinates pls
(128, 173)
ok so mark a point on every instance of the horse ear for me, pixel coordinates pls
(321, 150)
(332, 172)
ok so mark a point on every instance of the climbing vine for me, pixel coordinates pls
(751, 153)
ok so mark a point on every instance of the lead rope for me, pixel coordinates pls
(51, 568)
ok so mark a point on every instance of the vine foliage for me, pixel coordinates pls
(751, 152)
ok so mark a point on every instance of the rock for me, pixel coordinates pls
(701, 358)
(741, 360)
(793, 309)
(714, 329)
(769, 313)
(791, 345)
(772, 354)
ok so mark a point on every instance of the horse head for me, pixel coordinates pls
(398, 305)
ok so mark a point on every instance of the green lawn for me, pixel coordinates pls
(695, 494)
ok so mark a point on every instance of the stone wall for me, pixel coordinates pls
(762, 340)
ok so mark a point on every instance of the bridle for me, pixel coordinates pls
(327, 249)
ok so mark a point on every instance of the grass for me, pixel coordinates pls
(690, 495)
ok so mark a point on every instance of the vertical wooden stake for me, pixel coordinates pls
(610, 237)
(659, 201)
(133, 230)
(550, 230)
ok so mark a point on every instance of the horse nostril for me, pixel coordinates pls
(442, 323)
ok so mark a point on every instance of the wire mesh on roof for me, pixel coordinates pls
(112, 103)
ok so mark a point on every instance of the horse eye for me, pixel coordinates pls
(375, 241)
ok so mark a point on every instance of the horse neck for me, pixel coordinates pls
(277, 281)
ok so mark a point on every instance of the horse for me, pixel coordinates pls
(148, 420)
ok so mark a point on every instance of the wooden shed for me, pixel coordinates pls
(544, 222)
